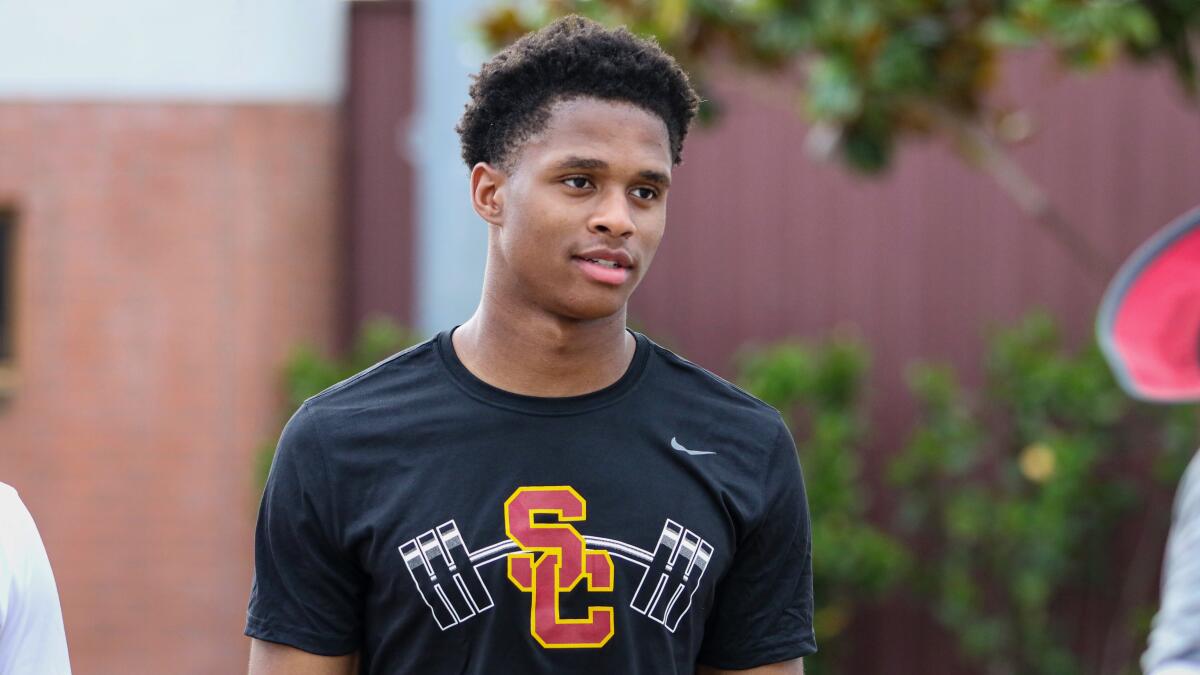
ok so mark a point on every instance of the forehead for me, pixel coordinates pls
(614, 132)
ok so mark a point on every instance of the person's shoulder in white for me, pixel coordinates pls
(32, 638)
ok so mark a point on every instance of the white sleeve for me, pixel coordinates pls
(1175, 637)
(32, 639)
(1177, 669)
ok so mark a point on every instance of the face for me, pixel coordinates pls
(578, 215)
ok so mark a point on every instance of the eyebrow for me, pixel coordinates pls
(588, 163)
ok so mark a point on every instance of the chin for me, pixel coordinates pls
(591, 308)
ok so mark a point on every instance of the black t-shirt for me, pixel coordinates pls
(438, 524)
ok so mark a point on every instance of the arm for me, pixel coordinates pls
(307, 589)
(761, 617)
(270, 658)
(794, 667)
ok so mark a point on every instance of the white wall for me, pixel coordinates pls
(231, 50)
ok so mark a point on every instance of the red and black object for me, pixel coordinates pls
(1149, 321)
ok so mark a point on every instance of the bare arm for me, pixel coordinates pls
(269, 658)
(794, 667)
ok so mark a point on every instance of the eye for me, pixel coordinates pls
(578, 182)
(645, 193)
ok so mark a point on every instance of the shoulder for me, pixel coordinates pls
(8, 496)
(705, 394)
(1187, 500)
(19, 530)
(380, 394)
(12, 509)
(696, 382)
(407, 363)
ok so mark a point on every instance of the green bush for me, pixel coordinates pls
(1015, 498)
(819, 392)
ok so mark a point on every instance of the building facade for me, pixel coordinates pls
(169, 175)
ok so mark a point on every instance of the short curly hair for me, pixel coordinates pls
(572, 57)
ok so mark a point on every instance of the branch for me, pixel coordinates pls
(990, 155)
(982, 149)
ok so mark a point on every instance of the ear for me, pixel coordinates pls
(487, 195)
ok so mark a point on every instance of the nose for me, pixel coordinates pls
(613, 217)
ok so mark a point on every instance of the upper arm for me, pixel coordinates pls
(762, 608)
(793, 667)
(308, 587)
(270, 658)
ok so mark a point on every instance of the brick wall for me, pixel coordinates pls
(168, 256)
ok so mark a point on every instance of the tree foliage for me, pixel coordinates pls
(874, 71)
(871, 73)
(1008, 497)
(1016, 496)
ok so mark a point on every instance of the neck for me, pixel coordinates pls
(538, 354)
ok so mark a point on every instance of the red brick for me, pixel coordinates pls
(168, 258)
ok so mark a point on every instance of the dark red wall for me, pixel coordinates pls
(762, 243)
(380, 207)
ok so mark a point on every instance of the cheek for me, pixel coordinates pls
(652, 235)
(530, 239)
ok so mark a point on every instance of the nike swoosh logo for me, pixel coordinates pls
(675, 444)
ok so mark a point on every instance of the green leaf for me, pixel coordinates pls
(833, 92)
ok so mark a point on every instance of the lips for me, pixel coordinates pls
(610, 257)
(602, 262)
(604, 265)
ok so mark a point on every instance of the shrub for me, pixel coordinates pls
(1015, 497)
(819, 392)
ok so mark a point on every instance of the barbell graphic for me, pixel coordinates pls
(447, 577)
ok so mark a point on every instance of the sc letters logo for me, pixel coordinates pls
(554, 559)
(545, 556)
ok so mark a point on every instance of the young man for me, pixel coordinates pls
(541, 490)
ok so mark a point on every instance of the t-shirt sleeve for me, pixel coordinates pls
(1175, 638)
(307, 590)
(762, 612)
